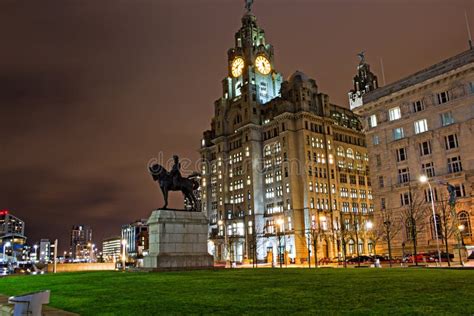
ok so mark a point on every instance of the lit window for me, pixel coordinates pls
(421, 126)
(372, 121)
(394, 114)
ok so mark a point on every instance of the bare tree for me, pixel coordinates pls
(344, 234)
(447, 223)
(387, 227)
(413, 216)
(375, 234)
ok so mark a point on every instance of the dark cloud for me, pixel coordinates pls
(91, 90)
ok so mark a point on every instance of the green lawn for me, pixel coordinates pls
(260, 291)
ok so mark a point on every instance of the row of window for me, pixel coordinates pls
(344, 193)
(417, 106)
(424, 149)
(454, 165)
(406, 198)
(352, 179)
(268, 150)
(420, 126)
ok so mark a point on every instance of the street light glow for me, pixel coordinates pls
(423, 179)
(461, 227)
(369, 225)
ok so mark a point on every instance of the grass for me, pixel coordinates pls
(260, 291)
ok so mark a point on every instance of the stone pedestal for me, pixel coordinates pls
(177, 241)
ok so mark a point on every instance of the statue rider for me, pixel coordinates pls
(175, 172)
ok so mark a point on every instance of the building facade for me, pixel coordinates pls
(284, 170)
(81, 242)
(111, 249)
(12, 235)
(45, 253)
(136, 236)
(422, 125)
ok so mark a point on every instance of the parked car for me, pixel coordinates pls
(420, 257)
(444, 256)
(361, 259)
(4, 269)
(28, 268)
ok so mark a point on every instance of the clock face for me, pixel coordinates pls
(237, 66)
(263, 65)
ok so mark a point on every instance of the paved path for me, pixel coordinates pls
(7, 309)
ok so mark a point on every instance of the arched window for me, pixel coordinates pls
(277, 148)
(350, 153)
(464, 220)
(438, 227)
(361, 246)
(351, 247)
(237, 119)
(370, 246)
(267, 151)
(340, 151)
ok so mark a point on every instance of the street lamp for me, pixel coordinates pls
(36, 255)
(280, 222)
(124, 244)
(461, 239)
(5, 245)
(424, 179)
(369, 225)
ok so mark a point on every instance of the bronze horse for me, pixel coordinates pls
(186, 185)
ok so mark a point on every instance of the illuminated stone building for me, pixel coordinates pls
(280, 163)
(422, 125)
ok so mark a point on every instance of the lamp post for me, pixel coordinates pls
(5, 245)
(461, 242)
(124, 245)
(424, 179)
(280, 223)
(36, 255)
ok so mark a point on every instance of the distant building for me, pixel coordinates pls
(81, 241)
(136, 236)
(111, 249)
(12, 233)
(45, 250)
(422, 125)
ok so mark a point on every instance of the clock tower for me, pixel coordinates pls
(251, 69)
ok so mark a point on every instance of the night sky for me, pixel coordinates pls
(91, 90)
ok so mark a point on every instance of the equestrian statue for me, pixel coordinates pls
(173, 181)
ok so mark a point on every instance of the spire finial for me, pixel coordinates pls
(248, 5)
(362, 57)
